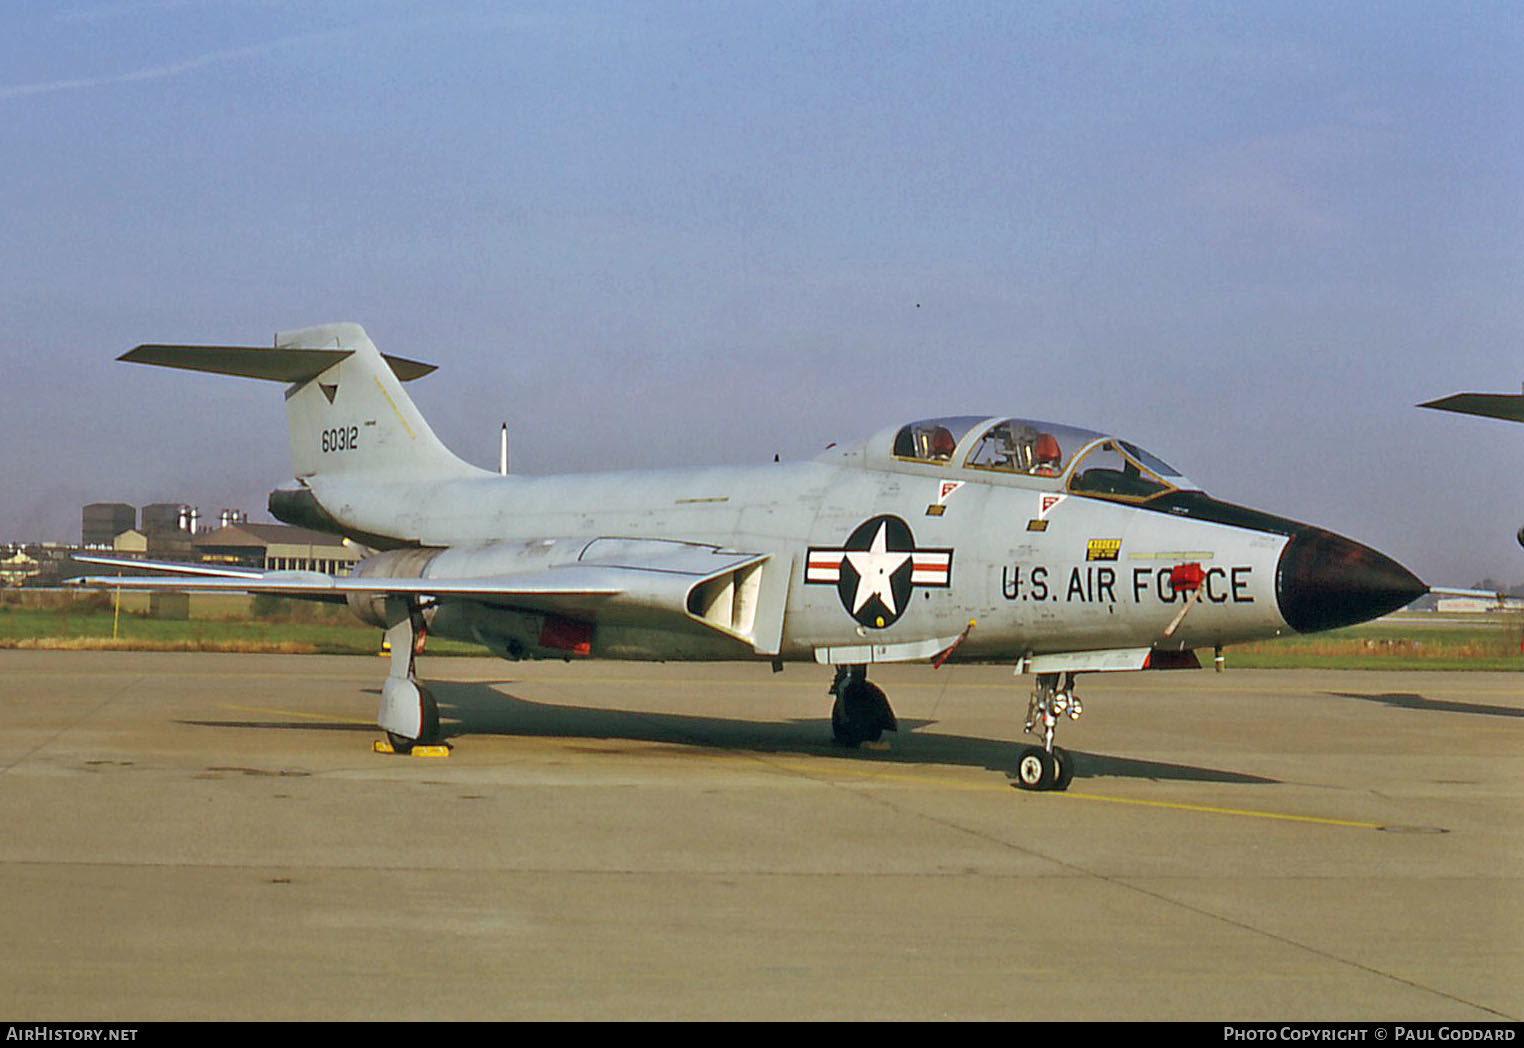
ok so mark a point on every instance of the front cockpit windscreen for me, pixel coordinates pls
(1117, 469)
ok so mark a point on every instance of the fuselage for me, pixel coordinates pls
(878, 556)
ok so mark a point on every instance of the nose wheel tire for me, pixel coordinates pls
(1037, 769)
(1065, 762)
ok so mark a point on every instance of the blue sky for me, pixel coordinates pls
(1249, 237)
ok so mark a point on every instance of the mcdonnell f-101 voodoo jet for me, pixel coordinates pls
(970, 538)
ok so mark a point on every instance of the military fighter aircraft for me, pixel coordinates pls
(1506, 406)
(973, 538)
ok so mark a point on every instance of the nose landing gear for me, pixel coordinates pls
(1048, 767)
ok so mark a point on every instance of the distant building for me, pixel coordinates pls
(160, 517)
(55, 562)
(1473, 605)
(102, 522)
(169, 529)
(133, 541)
(17, 567)
(276, 547)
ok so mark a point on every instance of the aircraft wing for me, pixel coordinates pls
(652, 582)
(563, 582)
(173, 566)
(1508, 406)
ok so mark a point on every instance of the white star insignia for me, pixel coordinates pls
(875, 566)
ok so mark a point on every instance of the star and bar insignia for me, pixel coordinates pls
(876, 570)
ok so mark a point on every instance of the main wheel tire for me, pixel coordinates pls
(429, 735)
(428, 730)
(842, 732)
(861, 714)
(1035, 769)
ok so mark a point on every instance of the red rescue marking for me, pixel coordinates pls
(1186, 578)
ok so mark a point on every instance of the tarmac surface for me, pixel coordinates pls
(211, 837)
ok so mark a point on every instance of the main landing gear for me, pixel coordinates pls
(1048, 767)
(408, 713)
(861, 713)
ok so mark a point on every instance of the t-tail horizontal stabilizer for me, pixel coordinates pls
(277, 364)
(346, 410)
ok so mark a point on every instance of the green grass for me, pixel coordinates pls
(1414, 641)
(86, 620)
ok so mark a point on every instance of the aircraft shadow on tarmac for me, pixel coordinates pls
(485, 708)
(267, 725)
(1409, 701)
(482, 708)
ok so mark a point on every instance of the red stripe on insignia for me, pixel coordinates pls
(823, 566)
(931, 568)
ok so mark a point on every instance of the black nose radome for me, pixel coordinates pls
(1325, 581)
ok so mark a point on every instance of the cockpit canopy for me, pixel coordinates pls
(1088, 463)
(933, 440)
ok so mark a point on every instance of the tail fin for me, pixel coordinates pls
(354, 415)
(346, 411)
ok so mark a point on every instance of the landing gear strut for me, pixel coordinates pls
(408, 713)
(1048, 767)
(861, 713)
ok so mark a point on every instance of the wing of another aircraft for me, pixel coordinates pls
(1507, 406)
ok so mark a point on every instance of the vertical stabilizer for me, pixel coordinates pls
(353, 416)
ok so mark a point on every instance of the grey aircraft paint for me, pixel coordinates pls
(1057, 549)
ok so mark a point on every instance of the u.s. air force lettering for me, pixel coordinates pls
(875, 571)
(1093, 584)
